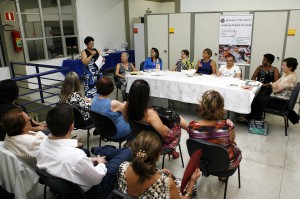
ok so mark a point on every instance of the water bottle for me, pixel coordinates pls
(157, 65)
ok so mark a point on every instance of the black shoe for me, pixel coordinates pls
(96, 132)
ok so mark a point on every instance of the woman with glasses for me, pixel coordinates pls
(230, 69)
(91, 73)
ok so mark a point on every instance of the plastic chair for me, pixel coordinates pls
(142, 66)
(80, 123)
(62, 188)
(119, 195)
(214, 160)
(117, 83)
(286, 108)
(138, 126)
(107, 128)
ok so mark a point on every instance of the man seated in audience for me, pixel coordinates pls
(59, 156)
(9, 92)
(20, 140)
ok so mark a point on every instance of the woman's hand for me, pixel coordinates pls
(195, 175)
(229, 123)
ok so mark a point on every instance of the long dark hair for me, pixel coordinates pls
(156, 52)
(138, 99)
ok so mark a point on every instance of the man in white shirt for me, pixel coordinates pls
(230, 69)
(59, 156)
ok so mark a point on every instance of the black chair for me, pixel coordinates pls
(288, 106)
(80, 123)
(142, 66)
(106, 128)
(119, 195)
(118, 83)
(138, 126)
(214, 160)
(2, 133)
(61, 188)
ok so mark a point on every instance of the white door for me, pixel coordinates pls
(180, 39)
(139, 44)
(293, 41)
(157, 34)
(206, 34)
(269, 29)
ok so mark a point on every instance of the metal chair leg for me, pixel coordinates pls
(285, 125)
(239, 176)
(100, 141)
(181, 155)
(88, 139)
(45, 191)
(163, 162)
(225, 191)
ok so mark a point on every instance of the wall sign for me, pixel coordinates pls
(9, 16)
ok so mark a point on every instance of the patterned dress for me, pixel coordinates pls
(217, 134)
(91, 75)
(181, 65)
(76, 100)
(123, 71)
(160, 189)
(265, 77)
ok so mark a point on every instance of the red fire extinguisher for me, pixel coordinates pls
(17, 41)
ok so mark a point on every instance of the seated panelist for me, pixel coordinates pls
(183, 63)
(150, 62)
(230, 69)
(206, 65)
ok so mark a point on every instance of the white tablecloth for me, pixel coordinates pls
(178, 86)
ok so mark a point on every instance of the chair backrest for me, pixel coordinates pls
(2, 133)
(294, 96)
(79, 121)
(119, 195)
(116, 79)
(106, 126)
(142, 66)
(63, 188)
(214, 157)
(138, 126)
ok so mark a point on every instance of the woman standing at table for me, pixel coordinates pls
(121, 70)
(150, 62)
(91, 72)
(206, 65)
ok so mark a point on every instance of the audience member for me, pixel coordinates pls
(230, 69)
(136, 108)
(183, 63)
(212, 128)
(59, 156)
(142, 179)
(266, 73)
(150, 62)
(70, 94)
(20, 140)
(89, 57)
(121, 70)
(111, 108)
(9, 92)
(281, 91)
(206, 65)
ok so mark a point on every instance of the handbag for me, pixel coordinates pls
(259, 127)
(168, 116)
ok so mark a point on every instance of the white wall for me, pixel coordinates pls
(4, 73)
(236, 5)
(103, 20)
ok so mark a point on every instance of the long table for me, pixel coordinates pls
(178, 86)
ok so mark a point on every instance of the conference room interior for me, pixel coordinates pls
(270, 164)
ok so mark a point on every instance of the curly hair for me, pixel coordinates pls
(145, 149)
(212, 105)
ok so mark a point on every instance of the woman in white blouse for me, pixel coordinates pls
(230, 69)
(70, 93)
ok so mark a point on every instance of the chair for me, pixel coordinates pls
(2, 134)
(142, 66)
(107, 128)
(117, 82)
(138, 126)
(16, 176)
(62, 188)
(80, 123)
(119, 195)
(286, 108)
(214, 160)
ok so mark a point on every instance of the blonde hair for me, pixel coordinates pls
(212, 105)
(70, 85)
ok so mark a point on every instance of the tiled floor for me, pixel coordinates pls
(270, 168)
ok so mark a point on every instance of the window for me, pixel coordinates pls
(48, 27)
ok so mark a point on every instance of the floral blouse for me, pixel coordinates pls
(289, 82)
(76, 100)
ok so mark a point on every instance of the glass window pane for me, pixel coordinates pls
(49, 7)
(31, 6)
(54, 46)
(52, 28)
(67, 6)
(69, 27)
(71, 42)
(35, 50)
(32, 25)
